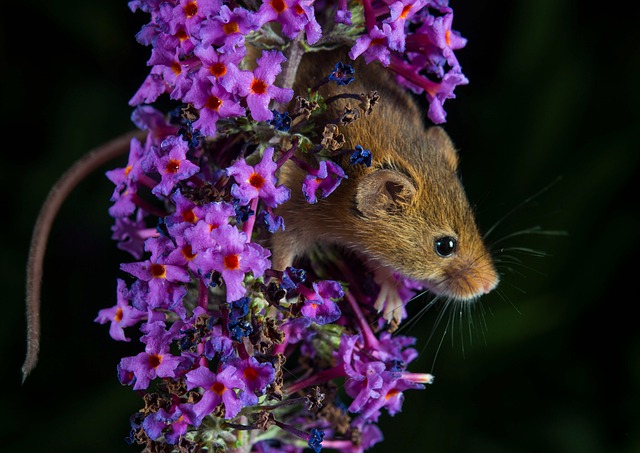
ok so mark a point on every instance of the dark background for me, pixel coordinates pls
(549, 363)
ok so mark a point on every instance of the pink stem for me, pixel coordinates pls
(203, 302)
(247, 228)
(369, 15)
(370, 340)
(317, 378)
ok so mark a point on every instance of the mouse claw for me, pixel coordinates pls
(389, 303)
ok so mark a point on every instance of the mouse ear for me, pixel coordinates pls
(383, 190)
(442, 142)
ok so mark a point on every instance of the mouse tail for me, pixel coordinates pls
(48, 211)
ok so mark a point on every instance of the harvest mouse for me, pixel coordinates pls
(407, 213)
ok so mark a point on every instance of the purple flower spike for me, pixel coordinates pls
(215, 318)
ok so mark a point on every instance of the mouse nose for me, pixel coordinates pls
(487, 276)
(479, 278)
(468, 281)
(490, 284)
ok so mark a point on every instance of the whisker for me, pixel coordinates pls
(409, 323)
(515, 262)
(520, 205)
(505, 298)
(526, 250)
(512, 271)
(536, 230)
(452, 319)
(517, 288)
(444, 334)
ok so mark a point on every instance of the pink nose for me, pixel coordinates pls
(489, 285)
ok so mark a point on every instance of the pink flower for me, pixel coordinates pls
(258, 181)
(214, 103)
(257, 86)
(217, 388)
(121, 315)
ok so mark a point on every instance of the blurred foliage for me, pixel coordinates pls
(547, 363)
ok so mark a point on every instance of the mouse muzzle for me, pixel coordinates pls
(466, 279)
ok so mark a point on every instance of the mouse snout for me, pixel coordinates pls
(466, 279)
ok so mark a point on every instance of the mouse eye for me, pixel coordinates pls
(445, 246)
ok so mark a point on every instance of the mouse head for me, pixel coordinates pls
(419, 222)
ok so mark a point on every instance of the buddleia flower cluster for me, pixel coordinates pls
(235, 355)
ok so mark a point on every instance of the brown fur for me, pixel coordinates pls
(393, 211)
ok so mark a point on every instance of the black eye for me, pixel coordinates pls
(445, 246)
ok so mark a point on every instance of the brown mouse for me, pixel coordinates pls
(407, 213)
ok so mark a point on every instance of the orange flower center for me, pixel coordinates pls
(278, 5)
(218, 388)
(155, 360)
(187, 252)
(182, 35)
(250, 374)
(405, 11)
(190, 9)
(189, 216)
(158, 271)
(218, 69)
(231, 262)
(258, 87)
(256, 180)
(391, 393)
(231, 27)
(213, 103)
(172, 166)
(118, 316)
(176, 68)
